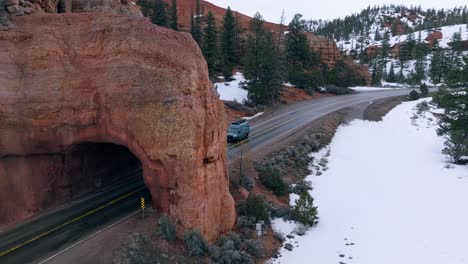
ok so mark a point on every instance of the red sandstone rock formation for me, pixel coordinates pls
(73, 78)
(327, 48)
(185, 8)
(435, 35)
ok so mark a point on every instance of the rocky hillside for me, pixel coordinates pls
(327, 48)
(401, 44)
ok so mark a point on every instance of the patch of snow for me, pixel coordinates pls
(288, 84)
(252, 117)
(283, 226)
(394, 85)
(232, 91)
(387, 197)
(366, 88)
(292, 198)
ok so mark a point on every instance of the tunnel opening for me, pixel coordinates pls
(96, 167)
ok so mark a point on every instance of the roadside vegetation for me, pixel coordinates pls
(163, 246)
(453, 123)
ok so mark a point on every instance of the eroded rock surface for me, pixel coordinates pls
(73, 78)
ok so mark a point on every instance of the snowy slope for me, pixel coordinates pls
(388, 197)
(232, 91)
(447, 33)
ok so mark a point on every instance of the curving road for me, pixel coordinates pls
(49, 233)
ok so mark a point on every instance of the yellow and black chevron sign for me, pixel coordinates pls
(142, 200)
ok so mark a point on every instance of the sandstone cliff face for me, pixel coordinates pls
(185, 8)
(327, 48)
(26, 7)
(73, 78)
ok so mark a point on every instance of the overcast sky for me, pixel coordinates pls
(325, 9)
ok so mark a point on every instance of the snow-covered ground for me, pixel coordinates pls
(447, 34)
(386, 196)
(254, 116)
(367, 88)
(232, 91)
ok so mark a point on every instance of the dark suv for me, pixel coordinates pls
(238, 131)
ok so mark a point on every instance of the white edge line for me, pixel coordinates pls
(89, 237)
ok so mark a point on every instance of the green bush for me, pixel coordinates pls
(254, 248)
(254, 208)
(167, 228)
(195, 243)
(271, 178)
(414, 95)
(305, 211)
(231, 238)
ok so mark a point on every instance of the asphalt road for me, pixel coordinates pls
(274, 126)
(32, 240)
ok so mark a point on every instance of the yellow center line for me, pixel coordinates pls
(78, 218)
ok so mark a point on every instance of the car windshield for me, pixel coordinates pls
(234, 129)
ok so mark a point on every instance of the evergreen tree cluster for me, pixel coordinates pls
(160, 13)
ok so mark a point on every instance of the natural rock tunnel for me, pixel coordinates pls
(72, 84)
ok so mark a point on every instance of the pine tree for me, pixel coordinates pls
(454, 63)
(378, 36)
(146, 7)
(196, 24)
(210, 43)
(391, 75)
(228, 44)
(401, 75)
(174, 19)
(261, 64)
(437, 61)
(305, 211)
(420, 66)
(304, 64)
(454, 122)
(384, 50)
(407, 48)
(159, 16)
(376, 75)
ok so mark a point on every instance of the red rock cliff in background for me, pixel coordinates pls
(101, 77)
(327, 48)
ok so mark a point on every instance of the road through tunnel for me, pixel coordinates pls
(35, 184)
